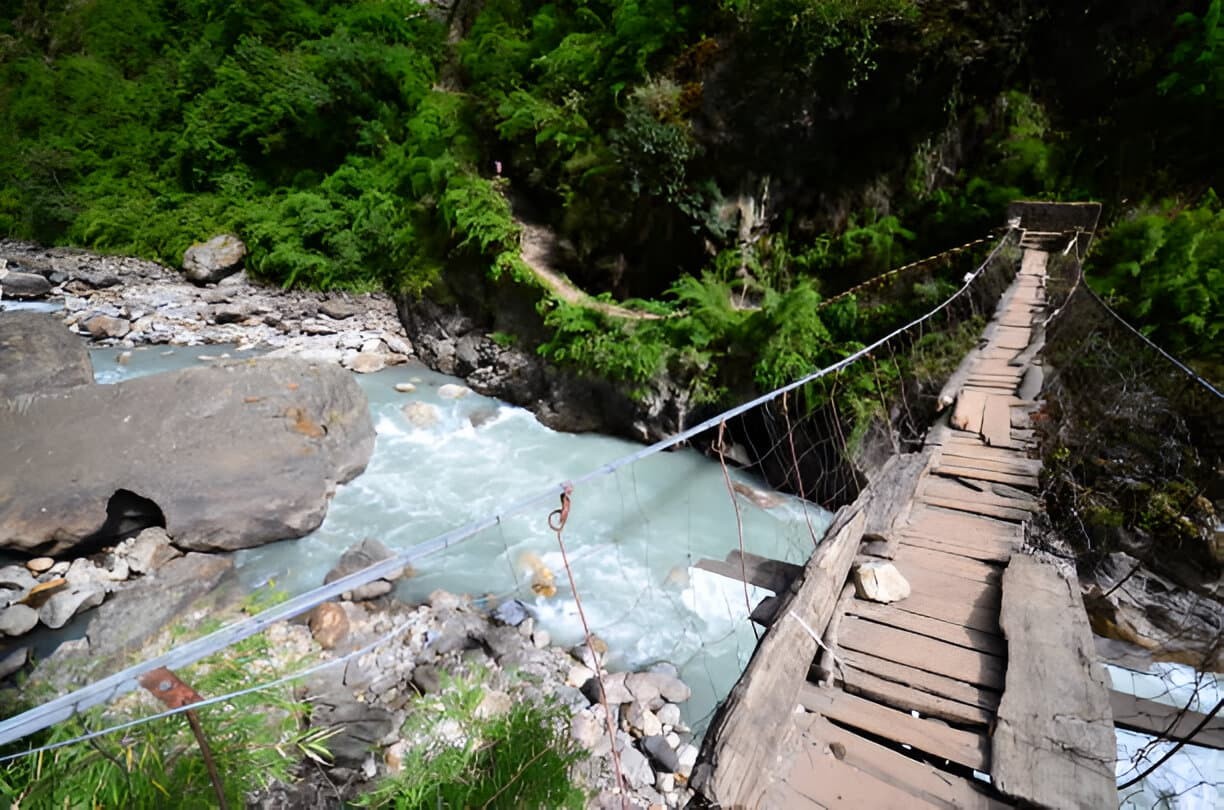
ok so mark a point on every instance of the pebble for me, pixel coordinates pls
(40, 565)
(405, 388)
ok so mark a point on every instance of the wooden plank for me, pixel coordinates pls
(762, 578)
(939, 560)
(978, 508)
(922, 652)
(1161, 719)
(938, 629)
(948, 488)
(907, 699)
(1010, 337)
(1054, 742)
(923, 781)
(922, 680)
(996, 422)
(969, 614)
(820, 779)
(987, 475)
(986, 552)
(967, 415)
(932, 737)
(948, 521)
(736, 761)
(1014, 464)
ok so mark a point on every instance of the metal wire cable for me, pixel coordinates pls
(105, 689)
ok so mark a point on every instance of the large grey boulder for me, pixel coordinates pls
(228, 456)
(211, 261)
(23, 285)
(38, 354)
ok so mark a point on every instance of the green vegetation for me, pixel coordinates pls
(254, 739)
(469, 756)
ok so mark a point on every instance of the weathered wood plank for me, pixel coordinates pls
(978, 508)
(906, 698)
(939, 560)
(922, 780)
(956, 471)
(938, 629)
(984, 551)
(1161, 719)
(979, 617)
(1054, 742)
(964, 747)
(922, 680)
(981, 452)
(922, 652)
(996, 422)
(736, 761)
(936, 522)
(967, 415)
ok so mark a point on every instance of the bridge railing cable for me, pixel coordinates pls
(802, 439)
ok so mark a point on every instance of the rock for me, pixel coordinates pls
(880, 581)
(421, 414)
(615, 690)
(16, 578)
(665, 782)
(541, 638)
(669, 714)
(661, 753)
(452, 391)
(397, 344)
(62, 606)
(329, 625)
(578, 675)
(149, 550)
(372, 346)
(636, 768)
(211, 261)
(43, 591)
(40, 565)
(14, 661)
(405, 388)
(355, 728)
(587, 730)
(106, 326)
(141, 609)
(494, 703)
(23, 285)
(653, 689)
(512, 612)
(642, 720)
(686, 756)
(340, 309)
(233, 313)
(366, 362)
(359, 557)
(482, 416)
(39, 355)
(123, 358)
(503, 640)
(17, 620)
(427, 679)
(227, 456)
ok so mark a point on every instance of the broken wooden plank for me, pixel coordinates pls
(907, 699)
(1054, 741)
(922, 652)
(923, 781)
(979, 508)
(986, 475)
(996, 422)
(736, 761)
(967, 415)
(951, 488)
(934, 738)
(938, 629)
(1163, 720)
(924, 681)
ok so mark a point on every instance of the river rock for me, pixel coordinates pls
(16, 579)
(421, 414)
(657, 748)
(355, 727)
(211, 261)
(38, 355)
(23, 285)
(227, 456)
(615, 691)
(40, 565)
(635, 767)
(405, 388)
(107, 326)
(67, 603)
(366, 362)
(340, 309)
(148, 551)
(880, 581)
(359, 557)
(452, 391)
(17, 620)
(14, 661)
(669, 714)
(642, 719)
(654, 689)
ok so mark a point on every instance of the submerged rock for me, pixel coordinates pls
(225, 457)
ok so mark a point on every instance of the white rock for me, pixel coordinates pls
(578, 675)
(16, 578)
(586, 730)
(405, 388)
(365, 362)
(17, 620)
(493, 704)
(880, 581)
(665, 782)
(421, 414)
(673, 739)
(452, 391)
(65, 604)
(541, 638)
(372, 346)
(687, 755)
(636, 767)
(397, 344)
(669, 714)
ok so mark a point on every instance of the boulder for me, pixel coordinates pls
(107, 326)
(16, 620)
(661, 753)
(65, 604)
(355, 728)
(452, 391)
(366, 362)
(421, 414)
(38, 355)
(361, 556)
(228, 456)
(23, 285)
(148, 551)
(211, 261)
(654, 689)
(405, 388)
(880, 581)
(635, 767)
(339, 309)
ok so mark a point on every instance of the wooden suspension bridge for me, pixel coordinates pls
(981, 688)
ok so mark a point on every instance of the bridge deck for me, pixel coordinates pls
(909, 692)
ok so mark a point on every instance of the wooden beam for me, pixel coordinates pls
(737, 761)
(922, 680)
(1054, 741)
(772, 575)
(1163, 720)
